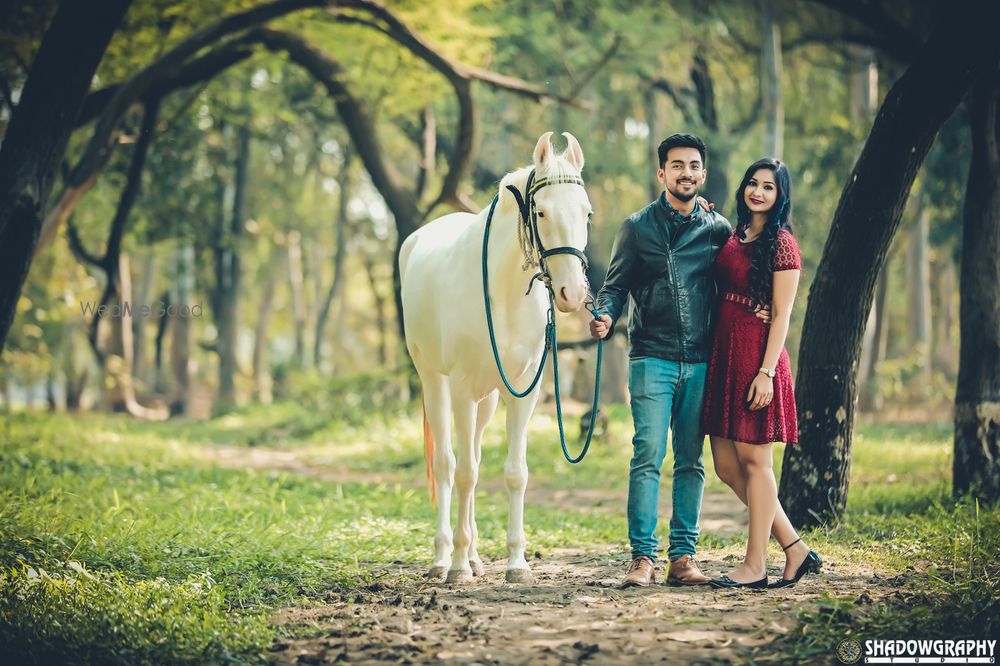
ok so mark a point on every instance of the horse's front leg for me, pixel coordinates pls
(466, 475)
(515, 474)
(484, 412)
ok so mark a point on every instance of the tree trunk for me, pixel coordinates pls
(863, 85)
(296, 282)
(717, 179)
(76, 379)
(653, 140)
(816, 472)
(261, 379)
(945, 359)
(380, 321)
(50, 390)
(874, 345)
(918, 271)
(977, 398)
(39, 129)
(140, 369)
(770, 81)
(228, 274)
(863, 93)
(117, 354)
(181, 300)
(338, 259)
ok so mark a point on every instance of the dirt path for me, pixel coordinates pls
(572, 613)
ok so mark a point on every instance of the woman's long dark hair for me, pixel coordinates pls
(778, 218)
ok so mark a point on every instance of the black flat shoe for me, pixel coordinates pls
(725, 582)
(812, 564)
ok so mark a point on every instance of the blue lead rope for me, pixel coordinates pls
(551, 342)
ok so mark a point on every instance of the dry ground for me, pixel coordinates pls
(573, 612)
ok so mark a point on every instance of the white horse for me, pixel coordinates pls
(448, 339)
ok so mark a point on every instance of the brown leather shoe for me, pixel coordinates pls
(640, 573)
(684, 571)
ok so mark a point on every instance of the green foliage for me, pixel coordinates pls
(949, 585)
(76, 616)
(184, 535)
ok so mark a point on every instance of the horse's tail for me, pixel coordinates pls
(429, 456)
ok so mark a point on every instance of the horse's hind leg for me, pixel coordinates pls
(515, 474)
(437, 406)
(487, 407)
(466, 474)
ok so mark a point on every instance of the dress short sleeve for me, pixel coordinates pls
(786, 255)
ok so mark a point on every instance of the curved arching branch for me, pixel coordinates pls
(171, 65)
(460, 77)
(890, 35)
(353, 113)
(196, 71)
(193, 72)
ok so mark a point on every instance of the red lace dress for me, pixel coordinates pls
(738, 347)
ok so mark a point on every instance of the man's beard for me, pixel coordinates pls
(684, 197)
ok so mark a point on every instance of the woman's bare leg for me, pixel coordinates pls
(728, 468)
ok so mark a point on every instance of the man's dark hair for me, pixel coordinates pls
(680, 141)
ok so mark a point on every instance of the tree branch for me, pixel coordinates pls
(428, 148)
(76, 246)
(601, 62)
(704, 87)
(352, 112)
(193, 72)
(753, 114)
(859, 38)
(665, 86)
(522, 87)
(168, 66)
(399, 32)
(895, 40)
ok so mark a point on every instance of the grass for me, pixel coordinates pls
(126, 542)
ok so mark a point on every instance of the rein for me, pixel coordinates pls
(529, 222)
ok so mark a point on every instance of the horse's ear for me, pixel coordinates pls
(574, 153)
(543, 151)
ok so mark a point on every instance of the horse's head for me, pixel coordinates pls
(563, 212)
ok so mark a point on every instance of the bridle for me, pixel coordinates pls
(531, 242)
(531, 245)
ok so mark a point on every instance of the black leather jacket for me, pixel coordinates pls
(664, 261)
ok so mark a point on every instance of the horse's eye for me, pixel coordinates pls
(541, 214)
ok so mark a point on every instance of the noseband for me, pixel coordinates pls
(529, 227)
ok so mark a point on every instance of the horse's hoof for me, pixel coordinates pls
(437, 573)
(460, 576)
(477, 567)
(519, 576)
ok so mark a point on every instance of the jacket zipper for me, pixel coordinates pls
(677, 303)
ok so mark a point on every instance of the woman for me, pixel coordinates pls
(749, 401)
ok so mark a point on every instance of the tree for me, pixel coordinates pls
(770, 81)
(227, 250)
(39, 131)
(977, 396)
(816, 473)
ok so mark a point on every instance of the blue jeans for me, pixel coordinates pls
(664, 394)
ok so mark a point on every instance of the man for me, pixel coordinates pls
(662, 258)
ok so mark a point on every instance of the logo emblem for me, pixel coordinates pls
(849, 651)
